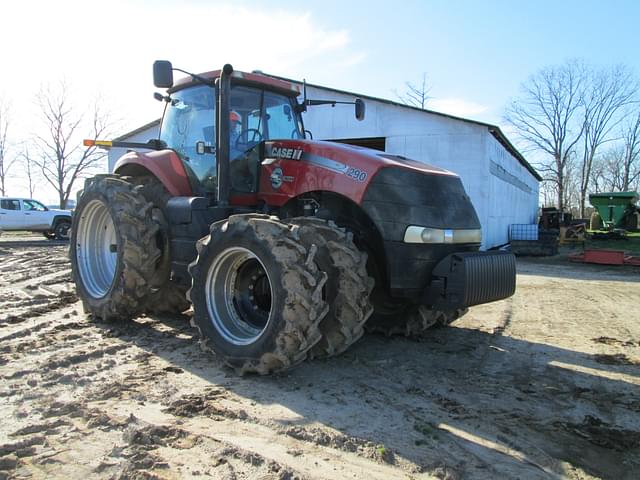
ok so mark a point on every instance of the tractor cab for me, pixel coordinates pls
(217, 123)
(259, 108)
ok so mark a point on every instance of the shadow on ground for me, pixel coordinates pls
(460, 392)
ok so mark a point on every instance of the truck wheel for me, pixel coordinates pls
(256, 294)
(348, 285)
(61, 230)
(113, 248)
(166, 296)
(411, 320)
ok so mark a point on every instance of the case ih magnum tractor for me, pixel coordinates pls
(286, 248)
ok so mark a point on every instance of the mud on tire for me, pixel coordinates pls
(256, 294)
(166, 296)
(411, 320)
(348, 284)
(113, 250)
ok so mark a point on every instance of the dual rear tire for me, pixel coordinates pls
(257, 294)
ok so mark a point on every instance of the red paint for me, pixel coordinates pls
(309, 176)
(605, 257)
(165, 165)
(243, 199)
(245, 78)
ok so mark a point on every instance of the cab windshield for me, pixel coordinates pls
(189, 119)
(256, 115)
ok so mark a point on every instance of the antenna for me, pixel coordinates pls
(304, 92)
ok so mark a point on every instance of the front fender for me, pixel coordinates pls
(165, 165)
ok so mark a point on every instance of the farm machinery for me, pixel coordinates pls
(286, 248)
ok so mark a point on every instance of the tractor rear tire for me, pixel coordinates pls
(256, 294)
(348, 284)
(113, 248)
(166, 296)
(411, 320)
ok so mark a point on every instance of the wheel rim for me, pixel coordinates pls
(238, 296)
(96, 249)
(63, 230)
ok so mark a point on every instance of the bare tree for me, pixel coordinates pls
(62, 157)
(545, 119)
(29, 167)
(618, 167)
(631, 161)
(5, 163)
(607, 92)
(416, 95)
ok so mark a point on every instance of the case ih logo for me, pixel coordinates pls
(278, 177)
(288, 153)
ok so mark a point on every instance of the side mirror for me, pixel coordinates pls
(359, 109)
(162, 74)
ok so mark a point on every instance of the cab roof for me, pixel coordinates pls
(255, 78)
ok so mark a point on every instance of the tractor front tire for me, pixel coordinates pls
(113, 248)
(256, 294)
(348, 284)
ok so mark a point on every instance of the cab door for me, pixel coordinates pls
(10, 214)
(36, 215)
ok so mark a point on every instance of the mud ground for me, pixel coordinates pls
(542, 385)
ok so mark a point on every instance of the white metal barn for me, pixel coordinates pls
(502, 185)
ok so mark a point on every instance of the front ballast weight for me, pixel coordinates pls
(462, 280)
(257, 294)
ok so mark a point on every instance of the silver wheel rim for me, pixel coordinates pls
(230, 299)
(96, 249)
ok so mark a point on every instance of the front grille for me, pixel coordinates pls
(400, 197)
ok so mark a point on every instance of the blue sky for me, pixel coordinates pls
(475, 53)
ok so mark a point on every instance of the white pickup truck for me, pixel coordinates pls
(29, 214)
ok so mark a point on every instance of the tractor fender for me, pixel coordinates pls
(165, 165)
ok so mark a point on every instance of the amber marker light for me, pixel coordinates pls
(97, 143)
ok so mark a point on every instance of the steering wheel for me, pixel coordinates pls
(246, 145)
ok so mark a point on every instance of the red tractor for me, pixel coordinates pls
(286, 248)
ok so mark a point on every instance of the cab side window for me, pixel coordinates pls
(33, 205)
(9, 204)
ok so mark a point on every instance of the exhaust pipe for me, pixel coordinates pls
(224, 109)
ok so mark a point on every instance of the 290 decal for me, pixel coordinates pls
(356, 174)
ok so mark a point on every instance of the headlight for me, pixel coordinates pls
(415, 234)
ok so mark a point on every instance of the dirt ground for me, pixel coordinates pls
(545, 384)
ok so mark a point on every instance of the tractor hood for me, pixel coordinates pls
(294, 167)
(340, 157)
(396, 192)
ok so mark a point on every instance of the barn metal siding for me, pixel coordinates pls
(142, 134)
